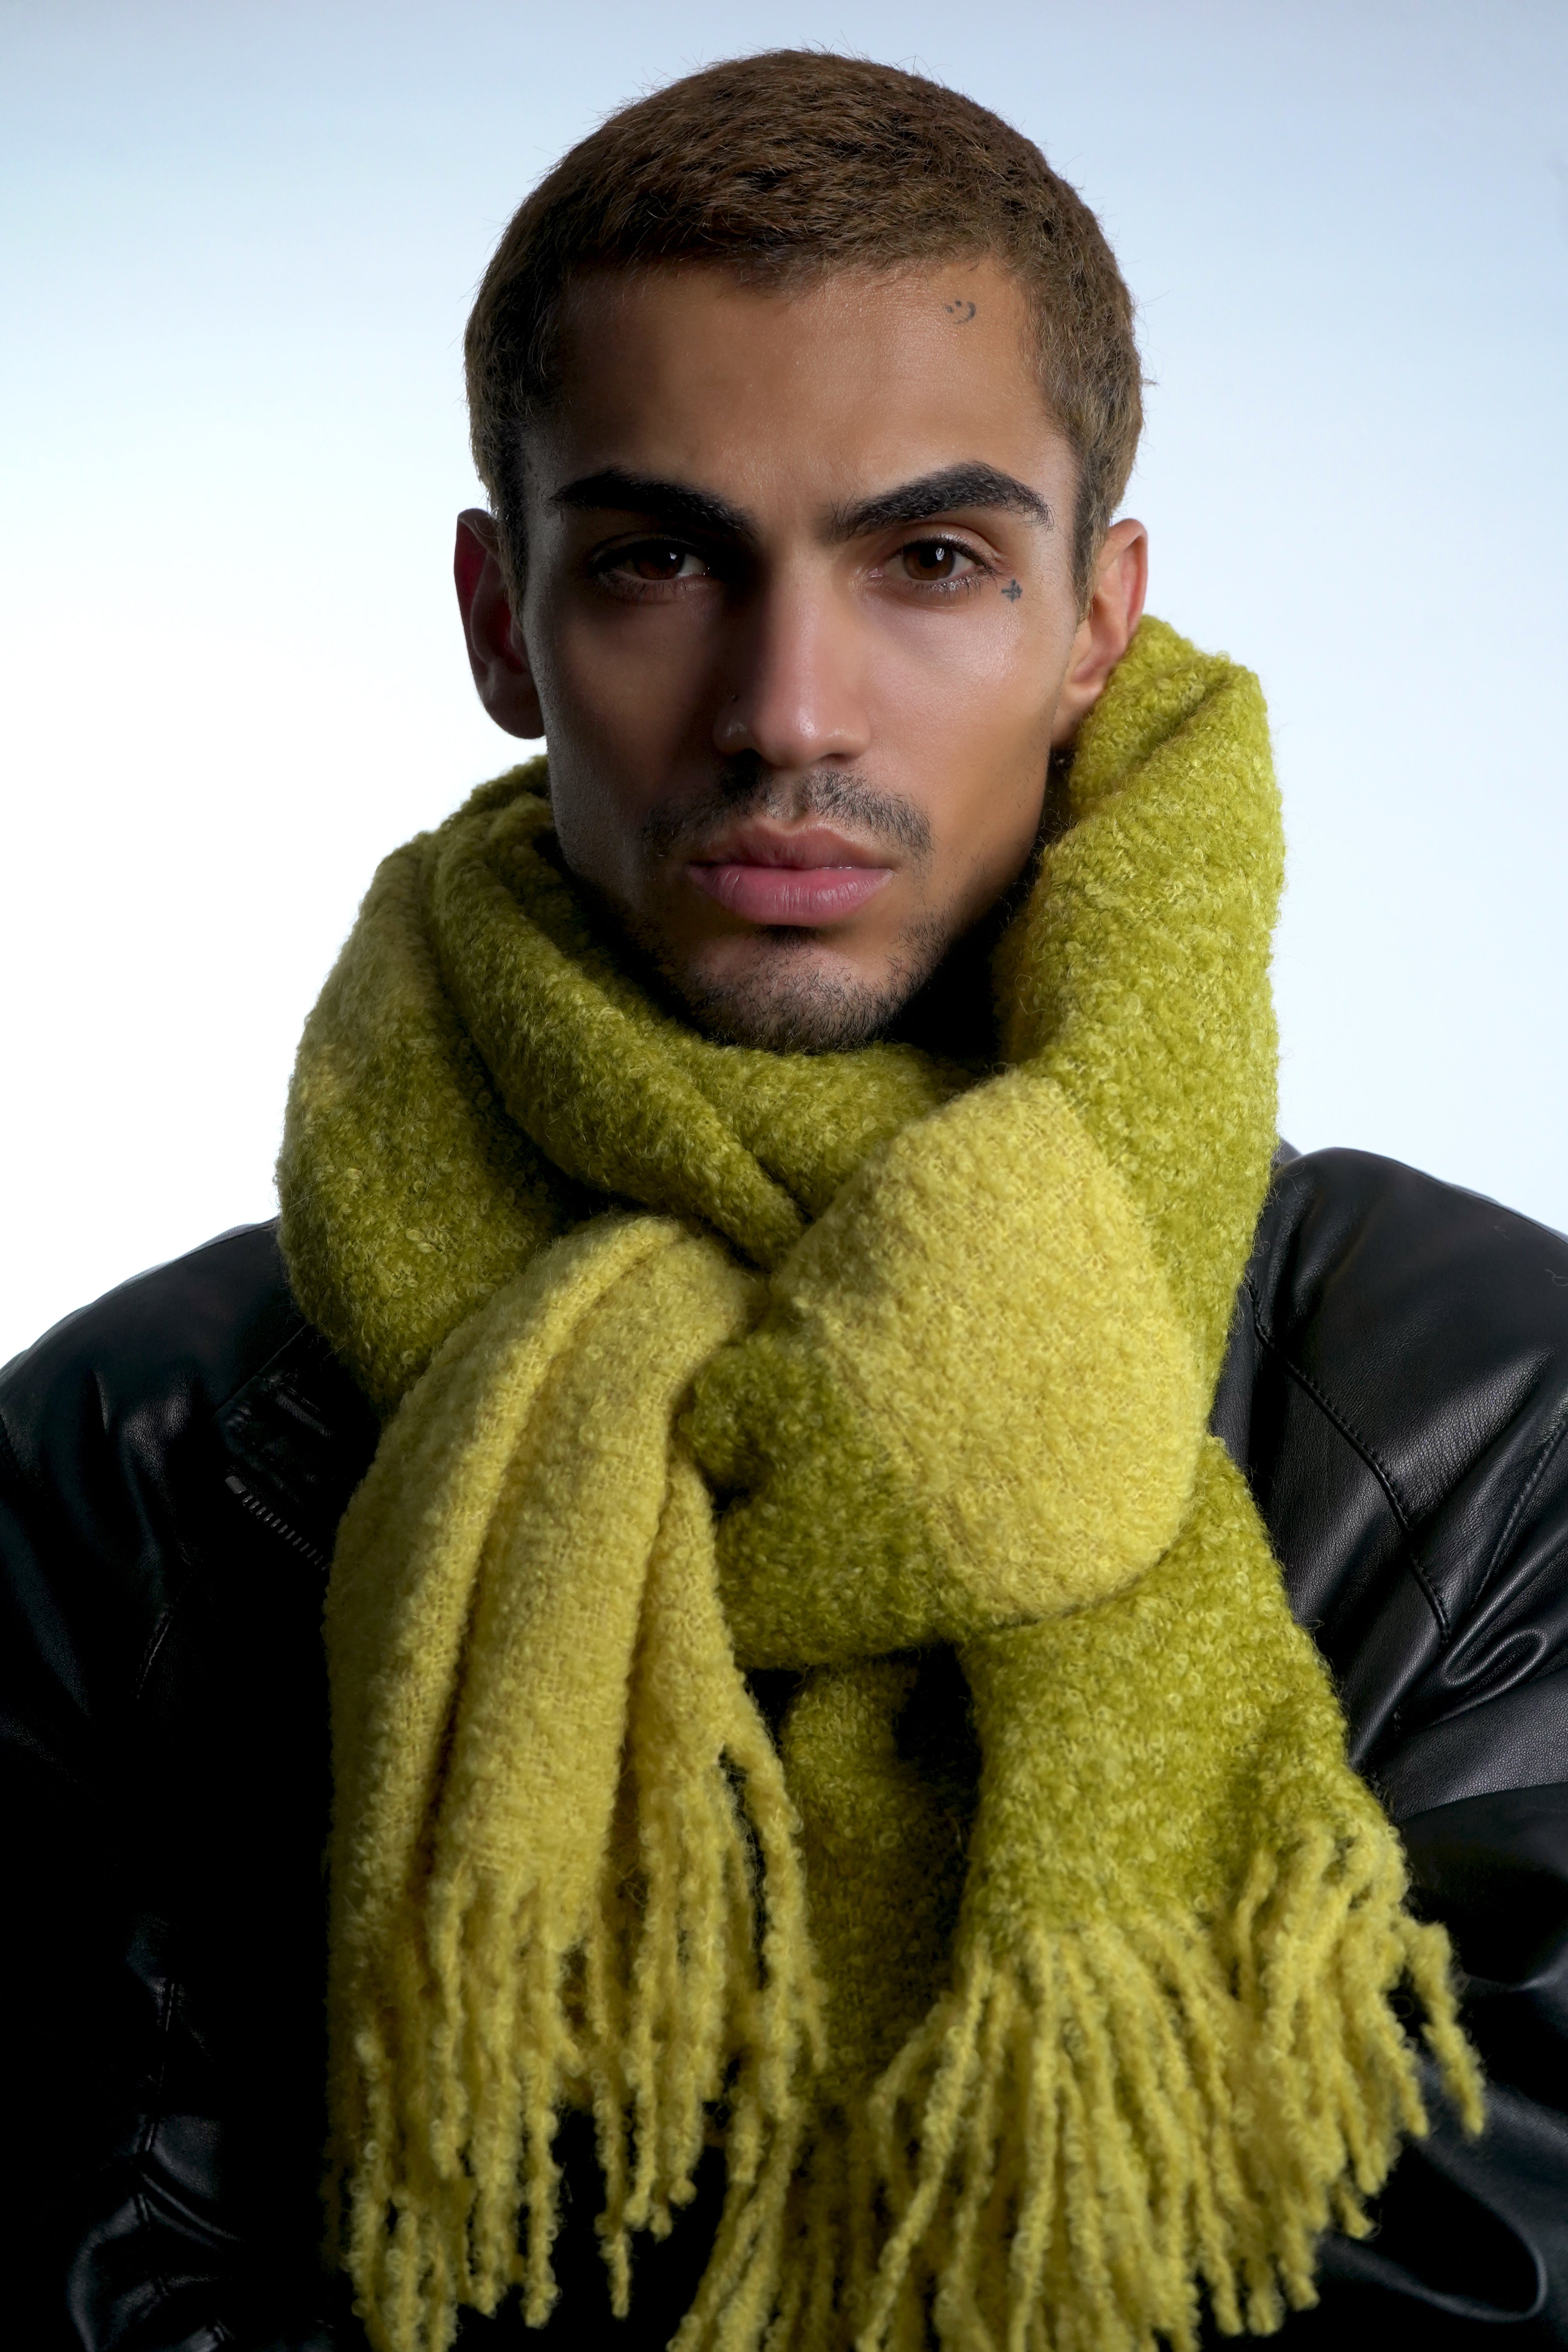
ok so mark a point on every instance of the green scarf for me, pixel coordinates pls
(1041, 1975)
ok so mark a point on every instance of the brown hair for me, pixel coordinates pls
(794, 163)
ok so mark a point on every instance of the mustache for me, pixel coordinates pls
(745, 786)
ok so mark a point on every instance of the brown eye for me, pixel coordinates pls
(938, 563)
(930, 559)
(656, 559)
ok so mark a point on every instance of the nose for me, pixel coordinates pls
(794, 695)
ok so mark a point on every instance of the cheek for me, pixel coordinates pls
(614, 720)
(595, 683)
(990, 830)
(592, 738)
(968, 726)
(991, 668)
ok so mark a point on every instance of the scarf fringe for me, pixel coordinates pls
(1092, 2129)
(691, 1989)
(1074, 2140)
(1079, 2137)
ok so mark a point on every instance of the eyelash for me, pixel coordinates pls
(605, 567)
(963, 581)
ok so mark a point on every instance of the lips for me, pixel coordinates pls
(813, 877)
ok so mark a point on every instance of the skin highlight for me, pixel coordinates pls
(799, 623)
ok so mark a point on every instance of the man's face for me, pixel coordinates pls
(800, 627)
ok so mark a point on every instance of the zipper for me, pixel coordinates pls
(275, 1525)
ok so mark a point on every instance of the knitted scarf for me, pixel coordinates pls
(1043, 1971)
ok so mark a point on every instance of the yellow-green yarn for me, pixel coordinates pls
(1030, 2018)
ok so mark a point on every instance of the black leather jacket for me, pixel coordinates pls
(172, 1464)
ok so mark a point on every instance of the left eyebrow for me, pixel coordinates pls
(937, 494)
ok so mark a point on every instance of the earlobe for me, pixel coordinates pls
(497, 654)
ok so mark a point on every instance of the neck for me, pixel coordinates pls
(953, 1017)
(954, 1014)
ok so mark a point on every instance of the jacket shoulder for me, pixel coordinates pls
(120, 1431)
(1391, 1270)
(97, 1418)
(1399, 1398)
(193, 1330)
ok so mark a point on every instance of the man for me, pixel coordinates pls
(835, 1835)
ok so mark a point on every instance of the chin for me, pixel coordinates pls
(792, 994)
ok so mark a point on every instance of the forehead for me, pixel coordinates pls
(814, 392)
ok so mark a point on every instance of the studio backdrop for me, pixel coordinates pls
(240, 243)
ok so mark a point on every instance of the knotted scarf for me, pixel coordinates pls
(1041, 1966)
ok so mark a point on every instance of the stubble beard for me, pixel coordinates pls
(787, 997)
(787, 1003)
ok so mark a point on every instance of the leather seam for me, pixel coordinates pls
(158, 2283)
(1549, 1446)
(1359, 1444)
(150, 1654)
(150, 2122)
(160, 1633)
(7, 1447)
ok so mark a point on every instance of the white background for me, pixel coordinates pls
(239, 243)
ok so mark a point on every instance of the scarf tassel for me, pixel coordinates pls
(1074, 2137)
(1079, 2135)
(689, 1991)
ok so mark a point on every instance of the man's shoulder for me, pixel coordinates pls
(1425, 1320)
(1342, 1225)
(1397, 1392)
(114, 1394)
(191, 1329)
(1429, 1314)
(143, 1421)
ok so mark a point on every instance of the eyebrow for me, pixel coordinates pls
(677, 503)
(935, 493)
(683, 507)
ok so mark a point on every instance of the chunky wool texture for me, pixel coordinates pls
(1043, 1976)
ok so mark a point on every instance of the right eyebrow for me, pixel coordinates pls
(677, 504)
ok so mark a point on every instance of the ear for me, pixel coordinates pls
(497, 654)
(1105, 632)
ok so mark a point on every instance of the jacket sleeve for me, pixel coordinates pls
(168, 2245)
(1472, 2235)
(1398, 1393)
(159, 1971)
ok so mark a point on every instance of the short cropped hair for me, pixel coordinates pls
(791, 165)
